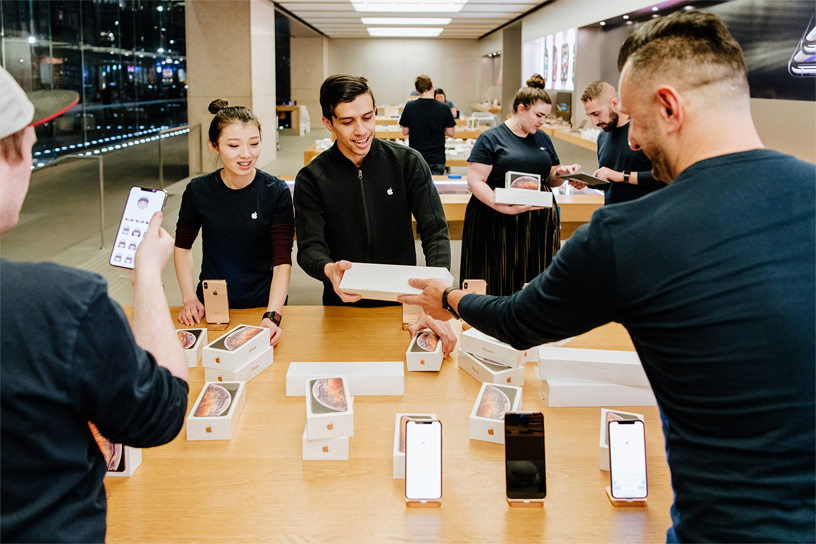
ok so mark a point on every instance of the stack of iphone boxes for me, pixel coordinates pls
(500, 369)
(592, 377)
(329, 419)
(229, 362)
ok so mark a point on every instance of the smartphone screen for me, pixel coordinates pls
(423, 460)
(524, 455)
(627, 459)
(140, 206)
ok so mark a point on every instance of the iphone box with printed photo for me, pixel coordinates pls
(425, 352)
(245, 373)
(603, 445)
(192, 342)
(364, 378)
(487, 417)
(399, 440)
(523, 189)
(388, 281)
(329, 408)
(128, 463)
(478, 343)
(235, 347)
(486, 372)
(215, 413)
(557, 394)
(591, 365)
(325, 449)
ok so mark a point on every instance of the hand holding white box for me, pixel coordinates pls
(388, 281)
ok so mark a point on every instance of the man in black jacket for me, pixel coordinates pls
(354, 201)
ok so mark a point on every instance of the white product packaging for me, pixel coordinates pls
(388, 281)
(486, 372)
(478, 343)
(591, 365)
(324, 419)
(325, 449)
(483, 425)
(249, 370)
(130, 461)
(364, 378)
(419, 359)
(399, 441)
(557, 394)
(193, 352)
(603, 445)
(217, 427)
(217, 354)
(523, 197)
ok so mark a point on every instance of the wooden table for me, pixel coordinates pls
(256, 488)
(489, 108)
(295, 111)
(394, 132)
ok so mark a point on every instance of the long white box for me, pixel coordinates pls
(364, 378)
(523, 197)
(421, 360)
(325, 449)
(399, 442)
(216, 354)
(490, 429)
(193, 352)
(251, 368)
(217, 427)
(570, 394)
(478, 343)
(591, 365)
(388, 281)
(322, 422)
(489, 373)
(603, 444)
(130, 461)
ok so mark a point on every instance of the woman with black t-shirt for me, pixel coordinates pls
(247, 223)
(508, 245)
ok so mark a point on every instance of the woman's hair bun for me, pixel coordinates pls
(217, 105)
(536, 82)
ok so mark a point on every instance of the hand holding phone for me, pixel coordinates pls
(155, 250)
(423, 462)
(140, 207)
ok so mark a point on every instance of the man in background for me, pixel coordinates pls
(68, 357)
(627, 170)
(715, 284)
(427, 122)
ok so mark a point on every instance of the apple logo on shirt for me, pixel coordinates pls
(254, 215)
(390, 191)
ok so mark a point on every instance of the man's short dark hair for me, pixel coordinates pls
(423, 84)
(694, 48)
(340, 89)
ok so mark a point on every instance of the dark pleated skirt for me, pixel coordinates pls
(507, 251)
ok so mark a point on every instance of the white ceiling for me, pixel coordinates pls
(338, 18)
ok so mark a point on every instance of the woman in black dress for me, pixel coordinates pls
(508, 245)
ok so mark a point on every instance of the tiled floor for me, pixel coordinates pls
(60, 218)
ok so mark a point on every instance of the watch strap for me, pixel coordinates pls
(626, 174)
(446, 305)
(274, 317)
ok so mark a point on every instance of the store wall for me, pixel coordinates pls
(308, 70)
(565, 14)
(391, 66)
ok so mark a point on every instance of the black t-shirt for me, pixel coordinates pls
(614, 152)
(427, 119)
(235, 228)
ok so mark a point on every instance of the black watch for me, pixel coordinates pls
(274, 317)
(447, 306)
(626, 174)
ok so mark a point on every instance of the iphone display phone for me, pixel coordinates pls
(478, 287)
(423, 462)
(525, 467)
(216, 303)
(627, 459)
(140, 206)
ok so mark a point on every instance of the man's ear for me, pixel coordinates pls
(327, 123)
(671, 107)
(615, 104)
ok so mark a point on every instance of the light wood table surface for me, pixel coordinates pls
(256, 488)
(489, 108)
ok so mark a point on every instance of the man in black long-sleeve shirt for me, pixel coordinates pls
(628, 170)
(716, 286)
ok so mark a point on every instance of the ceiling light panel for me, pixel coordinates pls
(410, 6)
(405, 21)
(406, 32)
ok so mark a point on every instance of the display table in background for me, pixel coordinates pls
(256, 488)
(296, 112)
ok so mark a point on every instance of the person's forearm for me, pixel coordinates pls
(483, 192)
(153, 328)
(553, 180)
(313, 262)
(183, 263)
(279, 287)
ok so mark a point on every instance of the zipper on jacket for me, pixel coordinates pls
(365, 214)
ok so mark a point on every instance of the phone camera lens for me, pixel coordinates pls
(205, 285)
